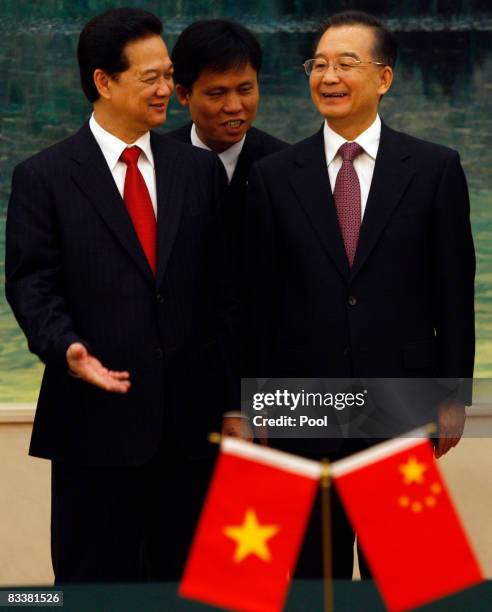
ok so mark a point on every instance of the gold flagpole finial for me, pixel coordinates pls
(214, 437)
(431, 428)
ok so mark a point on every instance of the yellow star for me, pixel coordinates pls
(436, 488)
(430, 501)
(413, 471)
(404, 501)
(251, 537)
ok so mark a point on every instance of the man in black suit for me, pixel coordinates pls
(115, 272)
(217, 64)
(365, 267)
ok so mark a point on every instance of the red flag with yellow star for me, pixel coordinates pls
(406, 522)
(251, 528)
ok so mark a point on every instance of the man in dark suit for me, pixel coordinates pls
(365, 266)
(115, 272)
(217, 64)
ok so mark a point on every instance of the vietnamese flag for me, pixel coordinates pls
(406, 522)
(251, 528)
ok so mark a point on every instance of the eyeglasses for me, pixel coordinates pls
(319, 65)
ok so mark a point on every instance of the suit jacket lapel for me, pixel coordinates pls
(170, 198)
(311, 184)
(392, 174)
(249, 153)
(93, 177)
(241, 171)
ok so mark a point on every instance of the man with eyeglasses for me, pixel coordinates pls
(365, 266)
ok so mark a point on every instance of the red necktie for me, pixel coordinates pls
(139, 206)
(347, 198)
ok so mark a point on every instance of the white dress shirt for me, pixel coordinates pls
(228, 157)
(112, 148)
(363, 163)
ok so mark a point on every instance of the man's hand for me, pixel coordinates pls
(86, 367)
(451, 422)
(237, 427)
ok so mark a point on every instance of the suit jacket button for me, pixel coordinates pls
(158, 353)
(159, 298)
(352, 301)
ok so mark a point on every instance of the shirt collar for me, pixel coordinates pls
(112, 147)
(368, 140)
(228, 157)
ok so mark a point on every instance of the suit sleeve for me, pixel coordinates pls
(33, 268)
(454, 273)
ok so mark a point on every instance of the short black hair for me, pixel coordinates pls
(386, 43)
(103, 39)
(213, 44)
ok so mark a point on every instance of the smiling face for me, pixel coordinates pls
(135, 100)
(222, 105)
(349, 100)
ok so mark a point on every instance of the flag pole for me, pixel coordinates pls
(326, 535)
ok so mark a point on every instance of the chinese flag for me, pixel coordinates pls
(251, 528)
(406, 523)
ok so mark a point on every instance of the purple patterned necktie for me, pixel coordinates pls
(347, 198)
